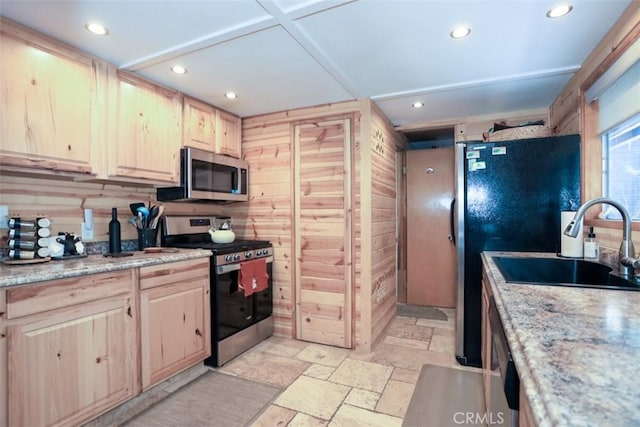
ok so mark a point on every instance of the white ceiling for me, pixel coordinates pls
(285, 54)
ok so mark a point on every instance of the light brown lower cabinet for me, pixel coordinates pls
(525, 418)
(3, 361)
(486, 350)
(174, 318)
(70, 348)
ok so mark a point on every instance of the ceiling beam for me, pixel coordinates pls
(200, 43)
(478, 83)
(307, 44)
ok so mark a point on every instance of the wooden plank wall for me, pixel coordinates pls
(569, 115)
(267, 143)
(64, 201)
(384, 142)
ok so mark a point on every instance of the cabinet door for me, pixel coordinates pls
(525, 418)
(199, 125)
(148, 131)
(486, 350)
(323, 232)
(48, 94)
(3, 362)
(69, 365)
(228, 134)
(175, 318)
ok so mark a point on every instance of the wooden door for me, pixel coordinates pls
(68, 365)
(175, 318)
(228, 134)
(322, 232)
(431, 257)
(4, 422)
(148, 131)
(199, 125)
(47, 100)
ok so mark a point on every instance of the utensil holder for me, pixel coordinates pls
(146, 238)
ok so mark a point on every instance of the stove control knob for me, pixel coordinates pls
(228, 258)
(259, 252)
(265, 252)
(236, 257)
(248, 255)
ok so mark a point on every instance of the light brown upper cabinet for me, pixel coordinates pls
(50, 103)
(146, 129)
(228, 134)
(64, 112)
(210, 129)
(199, 125)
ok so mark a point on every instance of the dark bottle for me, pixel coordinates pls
(114, 233)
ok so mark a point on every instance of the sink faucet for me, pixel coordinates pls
(627, 252)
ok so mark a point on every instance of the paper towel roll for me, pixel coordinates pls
(571, 248)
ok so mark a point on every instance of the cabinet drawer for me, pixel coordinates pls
(54, 294)
(175, 272)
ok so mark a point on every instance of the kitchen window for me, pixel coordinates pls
(613, 119)
(621, 168)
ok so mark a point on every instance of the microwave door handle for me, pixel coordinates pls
(237, 188)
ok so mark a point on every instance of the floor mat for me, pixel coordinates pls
(214, 399)
(420, 311)
(444, 396)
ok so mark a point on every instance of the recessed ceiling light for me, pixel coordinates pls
(231, 95)
(460, 32)
(96, 28)
(559, 11)
(418, 104)
(179, 69)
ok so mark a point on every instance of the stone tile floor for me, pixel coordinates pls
(329, 386)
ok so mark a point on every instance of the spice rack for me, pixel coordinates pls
(28, 239)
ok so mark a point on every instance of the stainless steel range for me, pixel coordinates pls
(238, 321)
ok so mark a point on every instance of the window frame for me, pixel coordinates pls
(592, 150)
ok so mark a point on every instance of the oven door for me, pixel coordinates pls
(234, 311)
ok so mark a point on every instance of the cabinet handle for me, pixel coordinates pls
(198, 333)
(129, 312)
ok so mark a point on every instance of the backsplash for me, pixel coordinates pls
(63, 201)
(97, 248)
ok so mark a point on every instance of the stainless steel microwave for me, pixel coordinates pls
(206, 176)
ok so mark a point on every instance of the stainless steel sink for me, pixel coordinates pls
(562, 272)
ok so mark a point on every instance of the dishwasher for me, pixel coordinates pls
(505, 387)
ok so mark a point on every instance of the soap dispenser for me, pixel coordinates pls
(591, 249)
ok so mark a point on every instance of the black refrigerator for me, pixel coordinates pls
(509, 197)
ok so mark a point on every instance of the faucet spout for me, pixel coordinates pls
(627, 251)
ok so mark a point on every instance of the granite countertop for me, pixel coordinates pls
(13, 275)
(576, 350)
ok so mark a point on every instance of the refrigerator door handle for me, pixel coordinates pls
(452, 236)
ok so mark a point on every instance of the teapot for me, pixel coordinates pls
(222, 223)
(221, 231)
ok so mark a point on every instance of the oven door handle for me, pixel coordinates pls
(223, 269)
